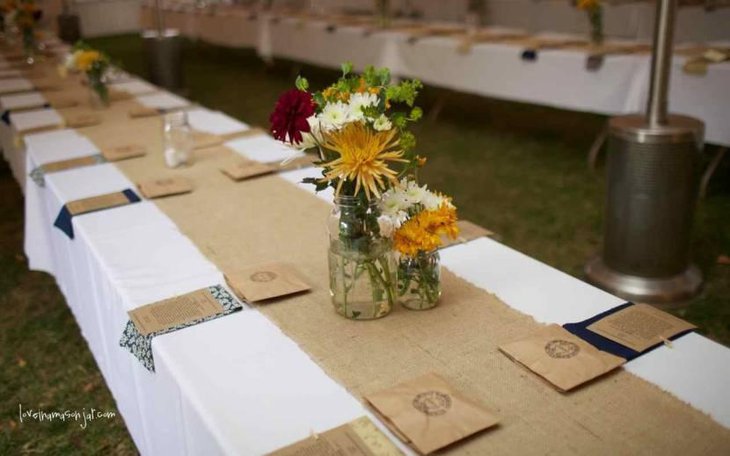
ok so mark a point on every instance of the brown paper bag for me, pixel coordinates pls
(124, 152)
(244, 169)
(358, 438)
(429, 414)
(266, 281)
(561, 358)
(157, 188)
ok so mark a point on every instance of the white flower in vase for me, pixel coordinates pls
(382, 123)
(334, 116)
(359, 102)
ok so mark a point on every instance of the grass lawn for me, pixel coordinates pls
(517, 169)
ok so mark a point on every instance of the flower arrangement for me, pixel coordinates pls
(94, 64)
(25, 14)
(417, 219)
(359, 127)
(594, 10)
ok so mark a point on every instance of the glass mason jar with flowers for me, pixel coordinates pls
(94, 65)
(594, 11)
(364, 147)
(417, 218)
(26, 15)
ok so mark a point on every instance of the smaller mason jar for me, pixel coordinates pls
(178, 141)
(98, 93)
(419, 280)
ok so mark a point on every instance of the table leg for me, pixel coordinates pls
(711, 168)
(596, 147)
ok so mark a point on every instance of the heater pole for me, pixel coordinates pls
(661, 62)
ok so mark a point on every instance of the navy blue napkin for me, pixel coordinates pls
(63, 221)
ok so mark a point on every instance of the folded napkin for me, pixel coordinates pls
(141, 346)
(63, 221)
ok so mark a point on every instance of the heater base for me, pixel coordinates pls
(665, 292)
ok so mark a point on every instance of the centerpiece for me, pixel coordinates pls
(94, 64)
(358, 126)
(417, 219)
(594, 11)
(27, 14)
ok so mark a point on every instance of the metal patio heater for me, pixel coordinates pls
(652, 179)
(164, 53)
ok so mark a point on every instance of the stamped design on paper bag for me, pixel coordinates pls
(432, 403)
(263, 276)
(561, 349)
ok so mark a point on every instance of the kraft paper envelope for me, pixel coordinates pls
(69, 164)
(124, 152)
(82, 120)
(429, 414)
(242, 169)
(358, 438)
(143, 112)
(266, 281)
(95, 203)
(157, 188)
(561, 358)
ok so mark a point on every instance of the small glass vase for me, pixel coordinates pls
(419, 280)
(178, 142)
(362, 266)
(29, 45)
(98, 94)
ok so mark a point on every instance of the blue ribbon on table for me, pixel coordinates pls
(63, 221)
(141, 346)
(581, 330)
(38, 173)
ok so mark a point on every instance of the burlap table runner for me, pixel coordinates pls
(269, 219)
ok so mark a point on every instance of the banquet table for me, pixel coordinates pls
(240, 384)
(495, 69)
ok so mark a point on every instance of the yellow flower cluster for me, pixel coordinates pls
(423, 231)
(85, 59)
(587, 5)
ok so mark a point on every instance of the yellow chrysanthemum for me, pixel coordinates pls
(422, 232)
(85, 59)
(586, 5)
(364, 157)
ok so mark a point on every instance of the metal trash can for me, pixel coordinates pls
(653, 174)
(164, 57)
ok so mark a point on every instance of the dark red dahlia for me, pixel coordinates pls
(289, 118)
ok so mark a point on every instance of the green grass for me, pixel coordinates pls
(517, 169)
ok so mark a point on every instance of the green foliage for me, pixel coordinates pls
(302, 83)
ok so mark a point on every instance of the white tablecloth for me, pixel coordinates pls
(223, 387)
(558, 78)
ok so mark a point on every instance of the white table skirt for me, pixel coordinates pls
(222, 387)
(558, 78)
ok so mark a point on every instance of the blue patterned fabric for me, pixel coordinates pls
(581, 330)
(63, 221)
(141, 346)
(38, 173)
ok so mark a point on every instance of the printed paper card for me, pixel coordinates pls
(176, 311)
(96, 203)
(429, 414)
(357, 438)
(82, 120)
(62, 165)
(266, 281)
(640, 327)
(561, 358)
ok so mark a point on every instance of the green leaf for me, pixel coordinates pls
(302, 84)
(346, 68)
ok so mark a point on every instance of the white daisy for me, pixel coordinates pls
(334, 116)
(382, 123)
(359, 102)
(386, 226)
